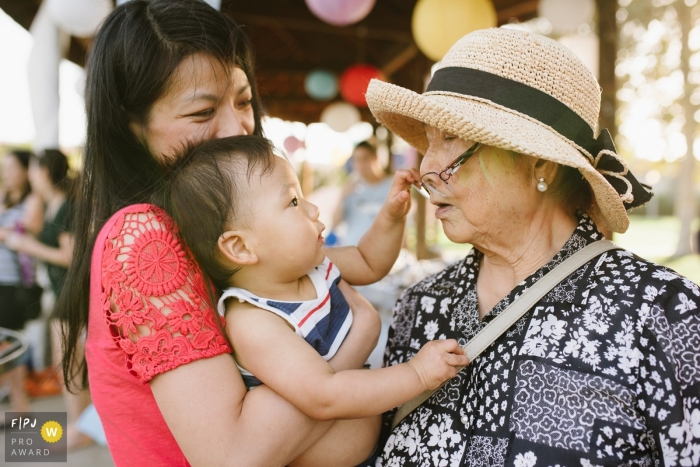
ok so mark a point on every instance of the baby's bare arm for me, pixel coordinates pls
(265, 345)
(346, 443)
(378, 249)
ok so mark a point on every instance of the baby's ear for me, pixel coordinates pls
(234, 246)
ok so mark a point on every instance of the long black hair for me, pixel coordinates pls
(56, 164)
(133, 57)
(23, 158)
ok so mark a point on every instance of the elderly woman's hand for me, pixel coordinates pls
(4, 233)
(437, 361)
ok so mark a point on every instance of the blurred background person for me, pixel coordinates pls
(20, 210)
(363, 195)
(360, 202)
(50, 179)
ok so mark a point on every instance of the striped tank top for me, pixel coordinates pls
(323, 322)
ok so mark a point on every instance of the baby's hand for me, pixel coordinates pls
(398, 202)
(438, 361)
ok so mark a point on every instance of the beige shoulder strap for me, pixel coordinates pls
(514, 312)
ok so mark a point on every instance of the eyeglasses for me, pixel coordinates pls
(434, 182)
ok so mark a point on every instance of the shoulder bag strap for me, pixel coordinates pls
(514, 312)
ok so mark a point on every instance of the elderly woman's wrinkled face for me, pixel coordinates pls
(487, 196)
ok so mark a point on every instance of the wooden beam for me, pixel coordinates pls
(288, 38)
(522, 9)
(399, 60)
(317, 27)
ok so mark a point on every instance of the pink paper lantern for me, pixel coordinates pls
(354, 82)
(292, 144)
(340, 12)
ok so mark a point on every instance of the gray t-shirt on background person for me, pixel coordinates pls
(361, 207)
(9, 269)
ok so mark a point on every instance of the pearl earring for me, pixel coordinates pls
(542, 185)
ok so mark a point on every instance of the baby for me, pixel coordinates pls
(241, 212)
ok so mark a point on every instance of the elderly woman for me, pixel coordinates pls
(605, 368)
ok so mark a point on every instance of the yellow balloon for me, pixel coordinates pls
(438, 24)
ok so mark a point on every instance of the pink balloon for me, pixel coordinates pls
(292, 144)
(340, 12)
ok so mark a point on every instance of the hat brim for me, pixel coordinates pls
(406, 113)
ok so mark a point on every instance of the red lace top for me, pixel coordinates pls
(149, 313)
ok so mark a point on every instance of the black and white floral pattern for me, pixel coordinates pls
(604, 370)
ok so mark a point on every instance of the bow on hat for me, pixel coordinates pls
(615, 170)
(552, 112)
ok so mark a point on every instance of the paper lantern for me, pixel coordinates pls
(79, 18)
(438, 24)
(292, 144)
(216, 4)
(566, 15)
(340, 12)
(321, 85)
(585, 47)
(340, 116)
(354, 82)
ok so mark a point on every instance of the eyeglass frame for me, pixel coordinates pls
(450, 170)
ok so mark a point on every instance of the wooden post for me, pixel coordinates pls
(307, 178)
(685, 196)
(421, 212)
(607, 56)
(388, 141)
(422, 250)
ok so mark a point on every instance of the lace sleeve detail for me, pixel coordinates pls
(154, 296)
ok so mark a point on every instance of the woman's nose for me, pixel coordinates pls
(229, 123)
(429, 162)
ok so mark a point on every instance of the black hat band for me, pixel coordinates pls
(550, 111)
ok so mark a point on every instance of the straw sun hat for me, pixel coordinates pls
(523, 92)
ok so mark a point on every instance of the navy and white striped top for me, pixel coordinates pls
(323, 322)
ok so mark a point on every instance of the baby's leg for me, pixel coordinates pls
(346, 443)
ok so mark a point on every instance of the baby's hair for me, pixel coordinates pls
(207, 191)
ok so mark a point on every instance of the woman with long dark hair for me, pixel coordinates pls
(49, 176)
(162, 74)
(20, 210)
(50, 180)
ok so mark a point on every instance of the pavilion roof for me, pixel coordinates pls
(289, 41)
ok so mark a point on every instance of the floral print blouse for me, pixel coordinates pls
(604, 370)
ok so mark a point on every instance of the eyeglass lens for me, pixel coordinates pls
(435, 182)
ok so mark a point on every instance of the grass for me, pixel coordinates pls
(651, 238)
(655, 239)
